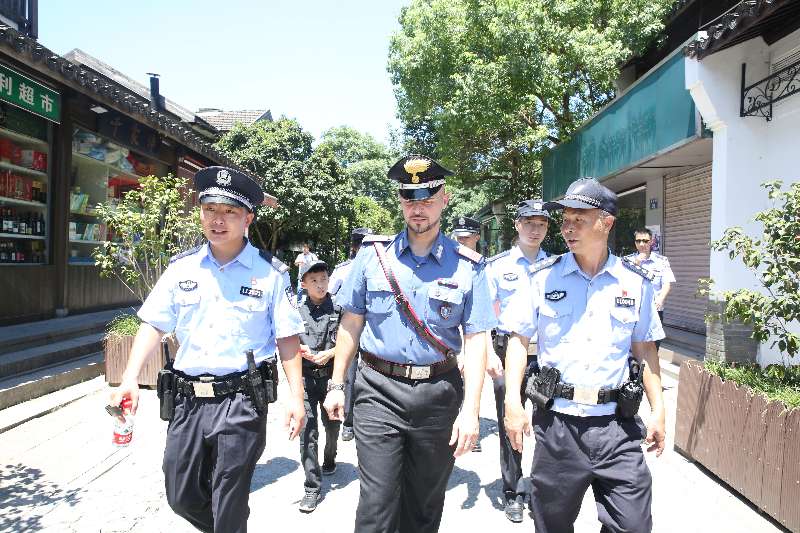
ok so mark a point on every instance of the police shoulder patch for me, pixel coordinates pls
(276, 263)
(630, 265)
(469, 253)
(544, 263)
(498, 256)
(186, 253)
(377, 238)
(343, 264)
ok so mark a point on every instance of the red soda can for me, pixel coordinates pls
(123, 429)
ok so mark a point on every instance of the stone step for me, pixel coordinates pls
(23, 387)
(30, 359)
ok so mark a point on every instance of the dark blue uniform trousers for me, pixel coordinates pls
(349, 381)
(213, 445)
(315, 390)
(573, 453)
(402, 432)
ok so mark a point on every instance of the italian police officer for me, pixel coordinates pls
(222, 299)
(338, 276)
(408, 390)
(506, 272)
(590, 310)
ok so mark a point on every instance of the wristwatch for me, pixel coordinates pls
(335, 386)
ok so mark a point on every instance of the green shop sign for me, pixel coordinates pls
(29, 95)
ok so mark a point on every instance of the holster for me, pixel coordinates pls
(269, 372)
(256, 385)
(165, 388)
(500, 343)
(630, 393)
(541, 390)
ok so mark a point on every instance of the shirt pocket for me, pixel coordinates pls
(188, 305)
(445, 306)
(248, 317)
(380, 299)
(623, 320)
(555, 321)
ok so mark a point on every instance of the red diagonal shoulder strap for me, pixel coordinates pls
(405, 306)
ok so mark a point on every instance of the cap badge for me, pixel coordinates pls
(413, 166)
(223, 178)
(461, 221)
(537, 206)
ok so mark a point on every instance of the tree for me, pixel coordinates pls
(493, 84)
(312, 190)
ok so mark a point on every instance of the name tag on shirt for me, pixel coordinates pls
(249, 291)
(624, 302)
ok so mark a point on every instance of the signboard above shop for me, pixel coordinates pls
(129, 132)
(32, 96)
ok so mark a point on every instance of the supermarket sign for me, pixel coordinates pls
(29, 95)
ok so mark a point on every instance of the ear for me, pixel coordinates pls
(250, 217)
(445, 198)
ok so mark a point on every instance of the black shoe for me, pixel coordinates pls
(514, 511)
(477, 447)
(347, 433)
(309, 502)
(328, 468)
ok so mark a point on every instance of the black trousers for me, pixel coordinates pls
(313, 397)
(212, 448)
(349, 381)
(573, 453)
(402, 432)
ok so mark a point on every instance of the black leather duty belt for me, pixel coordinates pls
(210, 386)
(586, 395)
(319, 372)
(413, 372)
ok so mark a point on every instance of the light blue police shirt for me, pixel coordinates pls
(659, 266)
(220, 311)
(338, 276)
(585, 325)
(505, 272)
(445, 288)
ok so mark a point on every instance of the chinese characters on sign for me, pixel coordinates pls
(29, 95)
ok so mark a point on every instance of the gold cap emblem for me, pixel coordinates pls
(413, 166)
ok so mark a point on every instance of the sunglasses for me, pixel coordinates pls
(643, 241)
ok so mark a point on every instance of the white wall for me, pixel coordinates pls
(747, 150)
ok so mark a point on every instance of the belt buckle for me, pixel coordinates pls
(203, 389)
(419, 372)
(585, 395)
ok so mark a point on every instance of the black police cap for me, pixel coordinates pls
(358, 234)
(419, 176)
(224, 185)
(531, 208)
(586, 193)
(463, 226)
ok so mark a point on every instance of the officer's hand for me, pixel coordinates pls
(466, 431)
(494, 366)
(334, 404)
(294, 417)
(127, 389)
(323, 357)
(305, 352)
(517, 424)
(656, 435)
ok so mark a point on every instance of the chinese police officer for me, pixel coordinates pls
(467, 231)
(590, 310)
(221, 299)
(405, 303)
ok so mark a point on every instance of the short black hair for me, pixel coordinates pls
(643, 230)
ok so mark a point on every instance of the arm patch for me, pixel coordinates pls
(646, 274)
(276, 263)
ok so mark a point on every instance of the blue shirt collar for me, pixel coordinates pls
(516, 254)
(612, 266)
(437, 250)
(245, 257)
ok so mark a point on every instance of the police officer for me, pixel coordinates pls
(506, 271)
(663, 278)
(467, 231)
(221, 299)
(590, 309)
(408, 390)
(338, 276)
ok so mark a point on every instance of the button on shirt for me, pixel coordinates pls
(219, 311)
(585, 325)
(659, 266)
(320, 322)
(445, 289)
(506, 273)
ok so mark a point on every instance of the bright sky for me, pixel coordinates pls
(322, 62)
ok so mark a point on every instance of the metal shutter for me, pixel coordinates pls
(687, 232)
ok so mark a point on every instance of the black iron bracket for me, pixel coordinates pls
(758, 98)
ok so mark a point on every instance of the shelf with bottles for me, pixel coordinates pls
(20, 222)
(21, 252)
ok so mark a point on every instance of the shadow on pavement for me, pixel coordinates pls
(25, 496)
(272, 471)
(471, 480)
(488, 426)
(345, 474)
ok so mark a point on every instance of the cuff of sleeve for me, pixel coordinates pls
(160, 325)
(354, 310)
(289, 333)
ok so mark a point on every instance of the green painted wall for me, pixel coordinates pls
(655, 114)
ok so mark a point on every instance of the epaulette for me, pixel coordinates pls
(276, 263)
(343, 264)
(544, 263)
(185, 253)
(646, 274)
(377, 238)
(498, 256)
(469, 253)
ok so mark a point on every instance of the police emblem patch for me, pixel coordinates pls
(445, 310)
(510, 276)
(621, 301)
(461, 221)
(555, 296)
(249, 291)
(223, 178)
(187, 285)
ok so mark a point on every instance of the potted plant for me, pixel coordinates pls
(146, 227)
(741, 421)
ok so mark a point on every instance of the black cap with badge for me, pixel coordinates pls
(465, 226)
(358, 234)
(586, 193)
(222, 185)
(531, 208)
(419, 176)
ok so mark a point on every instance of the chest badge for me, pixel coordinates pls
(249, 291)
(445, 310)
(510, 276)
(187, 285)
(449, 283)
(622, 301)
(253, 282)
(555, 296)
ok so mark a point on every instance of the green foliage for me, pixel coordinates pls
(367, 213)
(149, 225)
(776, 382)
(492, 85)
(774, 260)
(123, 326)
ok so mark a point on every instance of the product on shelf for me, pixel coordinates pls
(13, 221)
(34, 159)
